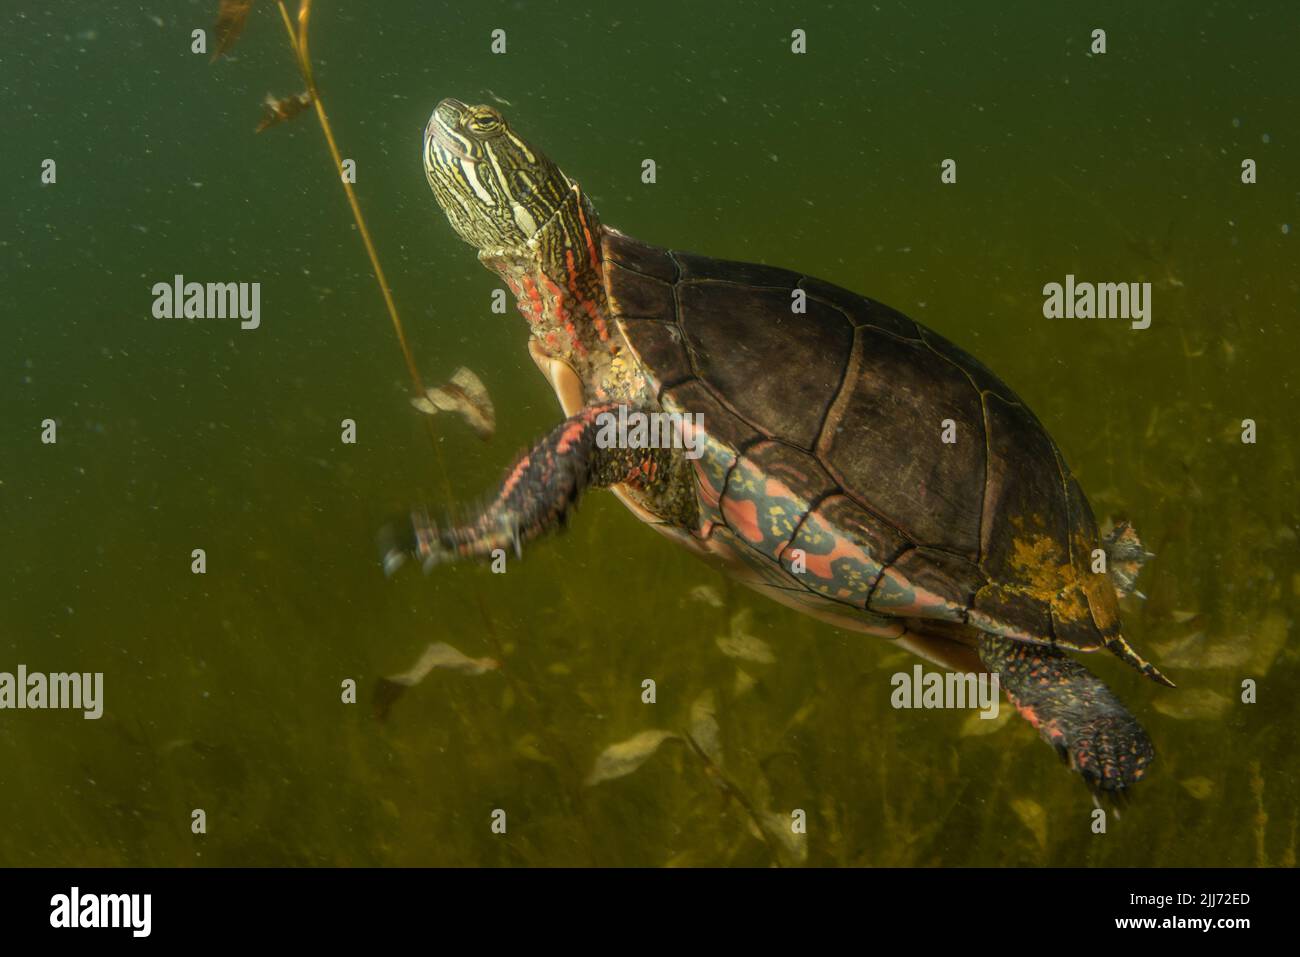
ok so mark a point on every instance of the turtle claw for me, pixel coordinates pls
(392, 562)
(395, 546)
(412, 536)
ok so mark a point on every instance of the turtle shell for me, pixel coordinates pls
(860, 457)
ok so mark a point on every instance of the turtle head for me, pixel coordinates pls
(496, 190)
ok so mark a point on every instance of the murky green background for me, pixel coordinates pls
(223, 690)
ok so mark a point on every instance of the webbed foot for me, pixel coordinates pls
(1073, 711)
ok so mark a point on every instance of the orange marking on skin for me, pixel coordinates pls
(534, 300)
(602, 330)
(570, 435)
(588, 306)
(586, 232)
(513, 478)
(572, 330)
(594, 257)
(565, 319)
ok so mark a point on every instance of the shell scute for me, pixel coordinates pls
(777, 369)
(633, 295)
(884, 444)
(634, 255)
(843, 549)
(861, 311)
(927, 583)
(658, 348)
(693, 268)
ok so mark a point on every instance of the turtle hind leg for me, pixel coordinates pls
(1074, 712)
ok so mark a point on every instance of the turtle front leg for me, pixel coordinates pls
(538, 493)
(1073, 711)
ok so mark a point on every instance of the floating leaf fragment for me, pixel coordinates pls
(278, 111)
(741, 644)
(466, 395)
(437, 655)
(976, 725)
(1192, 704)
(1033, 817)
(780, 827)
(231, 17)
(803, 714)
(625, 757)
(706, 594)
(704, 728)
(1198, 652)
(528, 747)
(1198, 787)
(1269, 639)
(442, 655)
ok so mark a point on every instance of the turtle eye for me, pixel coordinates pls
(484, 123)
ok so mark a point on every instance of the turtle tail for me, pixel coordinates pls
(1122, 650)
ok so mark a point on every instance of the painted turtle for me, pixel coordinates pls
(834, 454)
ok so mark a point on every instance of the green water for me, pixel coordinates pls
(223, 690)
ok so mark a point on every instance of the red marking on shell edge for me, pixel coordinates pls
(708, 493)
(743, 517)
(821, 565)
